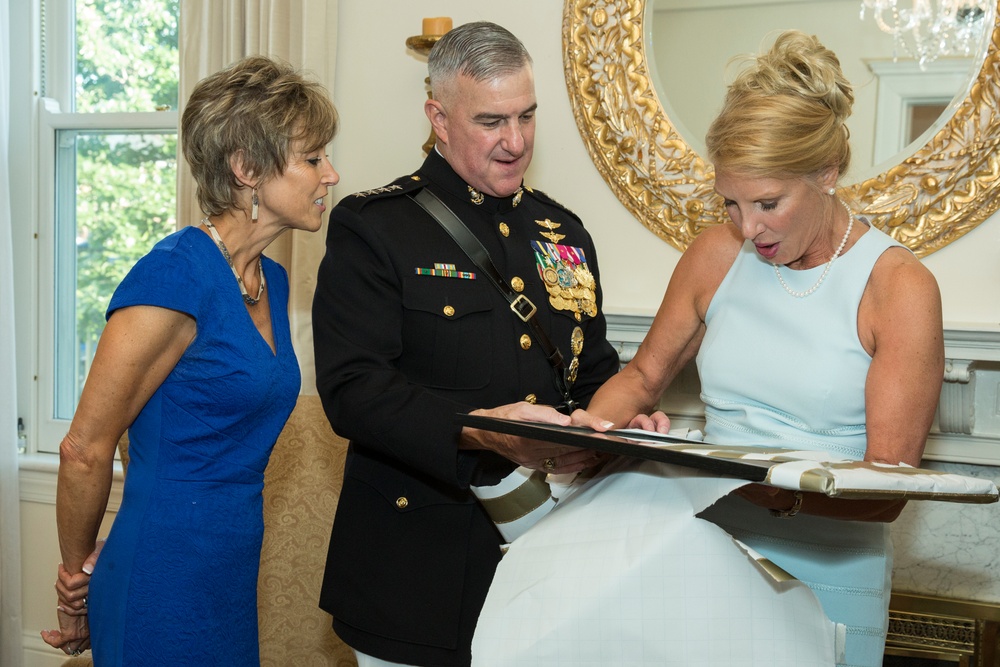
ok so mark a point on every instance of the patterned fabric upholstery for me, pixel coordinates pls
(301, 486)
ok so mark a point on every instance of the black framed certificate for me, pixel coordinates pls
(780, 467)
(651, 446)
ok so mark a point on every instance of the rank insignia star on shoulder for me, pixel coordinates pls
(378, 191)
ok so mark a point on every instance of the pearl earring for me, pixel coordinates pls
(831, 191)
(254, 206)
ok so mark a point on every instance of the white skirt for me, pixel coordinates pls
(622, 572)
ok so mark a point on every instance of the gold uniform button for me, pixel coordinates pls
(415, 178)
(525, 342)
(449, 311)
(504, 229)
(531, 398)
(402, 502)
(517, 284)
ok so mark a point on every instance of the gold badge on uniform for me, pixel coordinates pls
(576, 342)
(570, 284)
(571, 372)
(552, 227)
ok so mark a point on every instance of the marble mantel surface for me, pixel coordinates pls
(949, 550)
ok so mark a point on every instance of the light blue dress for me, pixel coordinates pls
(176, 583)
(783, 371)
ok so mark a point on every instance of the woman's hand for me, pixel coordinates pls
(658, 422)
(73, 635)
(73, 589)
(581, 417)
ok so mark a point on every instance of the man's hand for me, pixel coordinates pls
(536, 454)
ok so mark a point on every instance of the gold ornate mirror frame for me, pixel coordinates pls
(928, 200)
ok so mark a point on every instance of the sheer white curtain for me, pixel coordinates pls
(10, 523)
(213, 34)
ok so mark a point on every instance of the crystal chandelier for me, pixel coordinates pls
(927, 29)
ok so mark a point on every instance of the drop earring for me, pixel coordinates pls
(254, 206)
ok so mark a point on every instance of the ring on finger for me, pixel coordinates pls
(549, 464)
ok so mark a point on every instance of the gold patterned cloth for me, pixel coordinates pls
(301, 485)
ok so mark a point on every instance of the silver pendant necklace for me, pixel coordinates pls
(822, 277)
(250, 301)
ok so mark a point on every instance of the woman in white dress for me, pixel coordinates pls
(812, 330)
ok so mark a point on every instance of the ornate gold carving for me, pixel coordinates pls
(931, 198)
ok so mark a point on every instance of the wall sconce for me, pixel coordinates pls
(433, 29)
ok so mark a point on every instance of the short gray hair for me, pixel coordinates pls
(481, 50)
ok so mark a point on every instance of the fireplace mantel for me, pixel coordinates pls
(967, 425)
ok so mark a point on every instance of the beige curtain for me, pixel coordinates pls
(11, 649)
(215, 33)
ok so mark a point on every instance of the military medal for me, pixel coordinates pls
(576, 341)
(568, 281)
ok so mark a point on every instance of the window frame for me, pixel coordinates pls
(37, 117)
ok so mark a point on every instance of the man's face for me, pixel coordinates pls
(486, 129)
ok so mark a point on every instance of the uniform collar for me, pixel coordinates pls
(437, 169)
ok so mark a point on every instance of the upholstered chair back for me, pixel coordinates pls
(301, 486)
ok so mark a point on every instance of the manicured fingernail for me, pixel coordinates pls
(60, 608)
(607, 424)
(88, 568)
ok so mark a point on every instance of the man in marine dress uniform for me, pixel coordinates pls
(410, 331)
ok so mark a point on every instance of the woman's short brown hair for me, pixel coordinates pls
(254, 109)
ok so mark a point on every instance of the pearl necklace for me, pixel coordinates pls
(250, 301)
(822, 277)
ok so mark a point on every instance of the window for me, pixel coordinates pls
(107, 176)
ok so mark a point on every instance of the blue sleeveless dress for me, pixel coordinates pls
(782, 371)
(176, 582)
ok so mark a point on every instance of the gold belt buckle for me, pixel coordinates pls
(518, 303)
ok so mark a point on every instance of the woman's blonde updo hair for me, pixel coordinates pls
(783, 117)
(255, 108)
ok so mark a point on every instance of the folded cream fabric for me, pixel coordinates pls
(835, 476)
(861, 479)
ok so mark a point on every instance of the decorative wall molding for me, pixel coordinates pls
(967, 427)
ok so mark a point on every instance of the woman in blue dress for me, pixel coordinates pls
(811, 330)
(196, 362)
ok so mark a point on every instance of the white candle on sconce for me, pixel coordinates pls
(437, 26)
